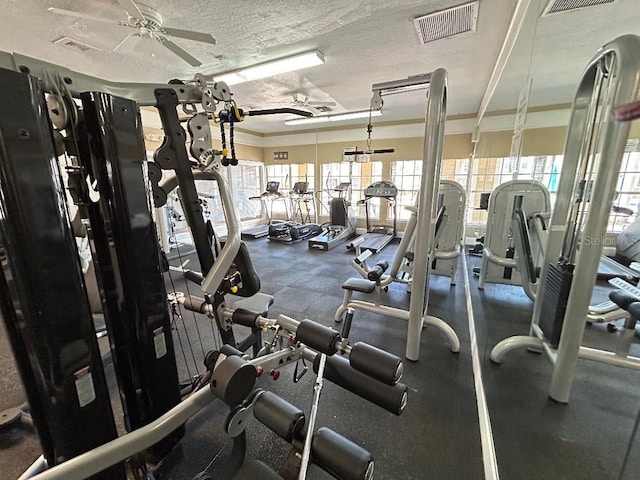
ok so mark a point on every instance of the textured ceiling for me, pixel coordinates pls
(363, 42)
(557, 48)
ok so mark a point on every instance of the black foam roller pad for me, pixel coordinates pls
(376, 363)
(228, 350)
(280, 416)
(634, 310)
(233, 380)
(377, 271)
(622, 299)
(341, 457)
(256, 470)
(338, 371)
(320, 338)
(244, 317)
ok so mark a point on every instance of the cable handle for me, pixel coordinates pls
(317, 390)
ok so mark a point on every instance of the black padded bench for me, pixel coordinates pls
(356, 284)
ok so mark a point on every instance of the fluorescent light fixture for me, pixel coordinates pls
(336, 117)
(269, 69)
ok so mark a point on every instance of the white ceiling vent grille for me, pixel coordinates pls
(559, 6)
(447, 23)
(74, 44)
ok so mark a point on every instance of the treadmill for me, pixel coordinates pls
(291, 231)
(270, 194)
(379, 236)
(341, 228)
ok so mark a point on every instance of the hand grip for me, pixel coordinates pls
(338, 371)
(383, 366)
(195, 277)
(341, 457)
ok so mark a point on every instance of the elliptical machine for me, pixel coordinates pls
(340, 228)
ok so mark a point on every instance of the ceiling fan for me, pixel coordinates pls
(302, 100)
(148, 22)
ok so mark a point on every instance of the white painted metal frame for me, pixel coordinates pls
(620, 58)
(436, 110)
(451, 240)
(535, 199)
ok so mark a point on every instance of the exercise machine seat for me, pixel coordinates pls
(258, 303)
(256, 470)
(359, 285)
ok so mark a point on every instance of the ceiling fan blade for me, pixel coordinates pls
(179, 51)
(131, 8)
(70, 13)
(128, 44)
(189, 35)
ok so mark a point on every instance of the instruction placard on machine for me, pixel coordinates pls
(84, 386)
(159, 342)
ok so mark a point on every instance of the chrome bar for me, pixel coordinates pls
(425, 228)
(622, 53)
(142, 93)
(220, 268)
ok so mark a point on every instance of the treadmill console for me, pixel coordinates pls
(272, 187)
(301, 188)
(382, 189)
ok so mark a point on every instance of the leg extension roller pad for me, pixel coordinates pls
(280, 416)
(318, 337)
(338, 371)
(233, 380)
(376, 363)
(341, 457)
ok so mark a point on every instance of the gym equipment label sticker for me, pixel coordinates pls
(159, 342)
(84, 386)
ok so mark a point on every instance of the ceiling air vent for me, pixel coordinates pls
(74, 44)
(447, 23)
(559, 6)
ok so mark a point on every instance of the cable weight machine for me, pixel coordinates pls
(105, 134)
(594, 149)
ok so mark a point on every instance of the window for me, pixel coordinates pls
(407, 176)
(247, 181)
(543, 168)
(628, 194)
(244, 181)
(456, 170)
(486, 174)
(361, 176)
(288, 175)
